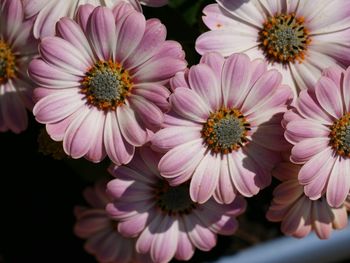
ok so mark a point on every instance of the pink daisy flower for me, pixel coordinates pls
(296, 37)
(320, 133)
(168, 224)
(100, 231)
(224, 132)
(101, 81)
(299, 214)
(17, 47)
(47, 13)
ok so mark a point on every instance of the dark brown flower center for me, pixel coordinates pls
(225, 130)
(340, 135)
(174, 200)
(284, 38)
(106, 85)
(7, 62)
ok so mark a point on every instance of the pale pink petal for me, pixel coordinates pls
(312, 167)
(335, 16)
(190, 105)
(289, 116)
(299, 130)
(242, 176)
(225, 191)
(182, 158)
(51, 77)
(322, 219)
(80, 134)
(308, 107)
(97, 151)
(280, 97)
(248, 11)
(179, 80)
(214, 60)
(339, 183)
(130, 126)
(130, 30)
(57, 130)
(31, 8)
(317, 185)
(152, 40)
(83, 14)
(205, 178)
(206, 84)
(134, 225)
(158, 69)
(144, 242)
(200, 236)
(335, 73)
(329, 96)
(164, 243)
(226, 41)
(150, 114)
(263, 88)
(155, 93)
(123, 8)
(173, 119)
(340, 219)
(274, 6)
(118, 150)
(57, 106)
(46, 19)
(236, 75)
(69, 30)
(185, 248)
(170, 137)
(216, 18)
(304, 150)
(101, 31)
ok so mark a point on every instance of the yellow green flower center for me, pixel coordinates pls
(106, 85)
(340, 135)
(225, 130)
(7, 62)
(284, 38)
(174, 200)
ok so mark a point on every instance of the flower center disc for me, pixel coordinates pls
(174, 199)
(225, 130)
(7, 62)
(106, 85)
(340, 135)
(284, 38)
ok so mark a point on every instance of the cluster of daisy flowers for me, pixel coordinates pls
(270, 97)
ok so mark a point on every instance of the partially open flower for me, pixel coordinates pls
(165, 219)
